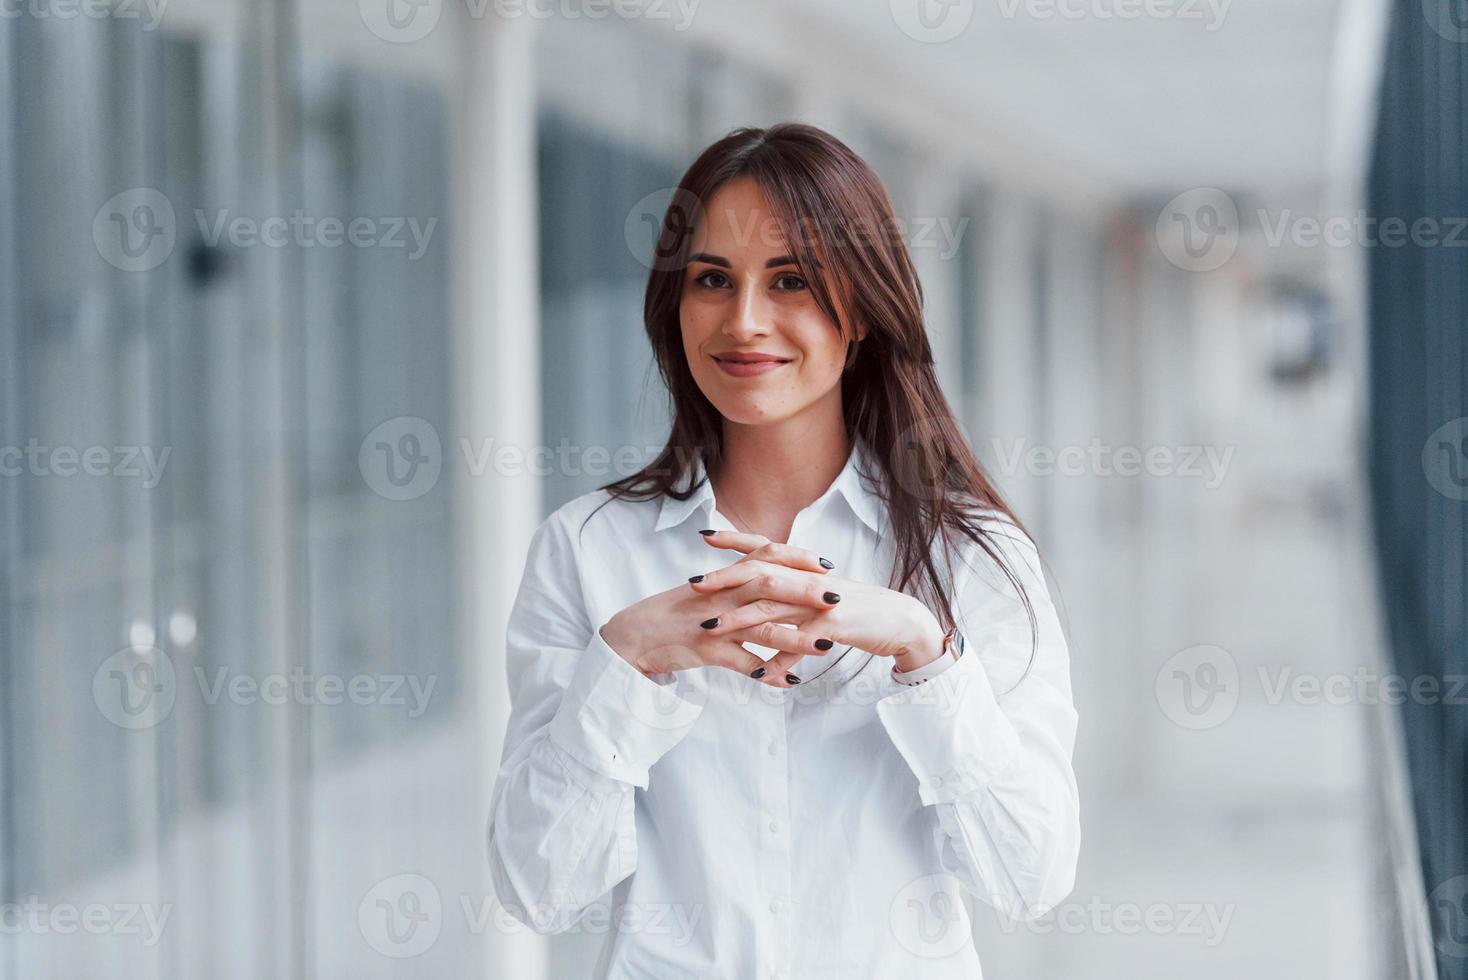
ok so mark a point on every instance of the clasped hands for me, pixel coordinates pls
(706, 622)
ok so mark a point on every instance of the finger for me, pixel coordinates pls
(787, 638)
(732, 655)
(776, 582)
(730, 575)
(734, 540)
(792, 556)
(743, 616)
(759, 547)
(778, 669)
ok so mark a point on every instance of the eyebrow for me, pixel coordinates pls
(724, 263)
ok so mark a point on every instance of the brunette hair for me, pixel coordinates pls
(836, 216)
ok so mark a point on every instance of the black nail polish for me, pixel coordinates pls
(695, 578)
(709, 624)
(823, 644)
(757, 672)
(707, 531)
(832, 597)
(792, 679)
(827, 564)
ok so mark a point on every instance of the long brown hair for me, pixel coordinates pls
(835, 215)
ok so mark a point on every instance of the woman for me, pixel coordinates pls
(816, 810)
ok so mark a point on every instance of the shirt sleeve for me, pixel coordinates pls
(925, 673)
(991, 741)
(585, 729)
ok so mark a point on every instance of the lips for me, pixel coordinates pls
(752, 358)
(749, 365)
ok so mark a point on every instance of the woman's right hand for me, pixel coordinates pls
(664, 632)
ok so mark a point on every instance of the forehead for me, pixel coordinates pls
(739, 221)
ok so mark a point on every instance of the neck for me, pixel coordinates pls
(769, 473)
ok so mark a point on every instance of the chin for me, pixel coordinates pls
(756, 414)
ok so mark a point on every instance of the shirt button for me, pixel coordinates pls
(774, 748)
(937, 780)
(774, 826)
(776, 906)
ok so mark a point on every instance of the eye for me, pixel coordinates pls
(707, 282)
(793, 282)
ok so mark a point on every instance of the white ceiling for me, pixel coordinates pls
(1148, 105)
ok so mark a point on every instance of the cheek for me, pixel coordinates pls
(692, 325)
(825, 350)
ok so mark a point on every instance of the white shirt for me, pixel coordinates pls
(713, 826)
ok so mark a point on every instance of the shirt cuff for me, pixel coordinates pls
(616, 720)
(929, 670)
(951, 731)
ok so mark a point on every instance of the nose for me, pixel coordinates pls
(748, 316)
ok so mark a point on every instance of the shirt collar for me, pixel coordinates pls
(863, 500)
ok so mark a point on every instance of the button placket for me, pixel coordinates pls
(773, 838)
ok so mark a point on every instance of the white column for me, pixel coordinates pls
(496, 352)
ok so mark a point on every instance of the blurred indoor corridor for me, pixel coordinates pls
(267, 498)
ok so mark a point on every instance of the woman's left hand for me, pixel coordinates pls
(765, 587)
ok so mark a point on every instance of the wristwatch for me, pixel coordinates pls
(952, 650)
